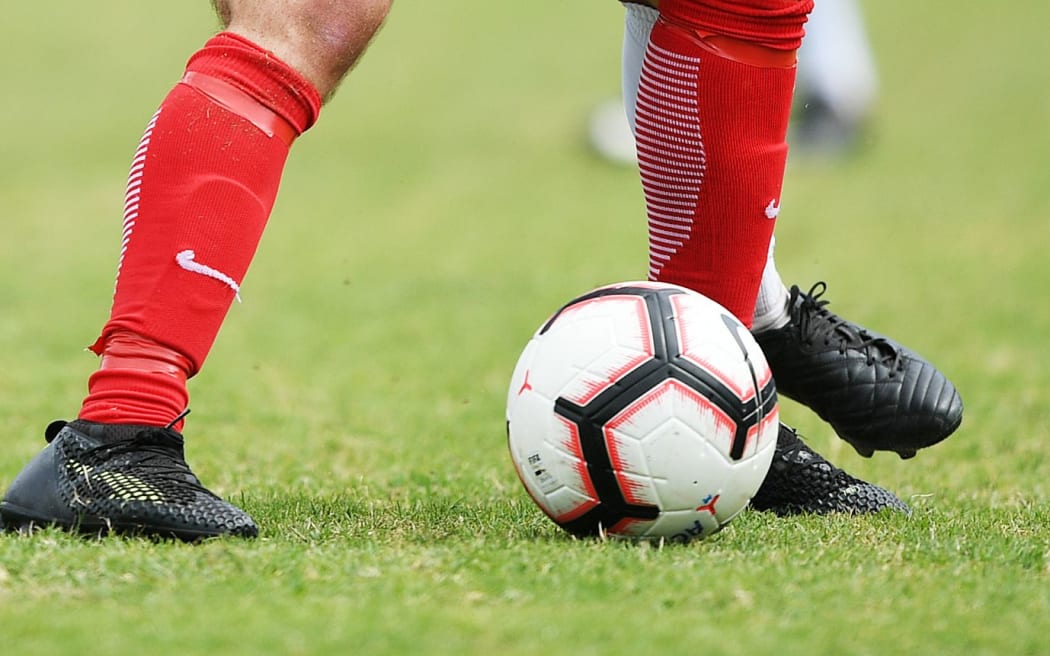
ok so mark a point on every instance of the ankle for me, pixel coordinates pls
(139, 382)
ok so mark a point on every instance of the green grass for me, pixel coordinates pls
(443, 206)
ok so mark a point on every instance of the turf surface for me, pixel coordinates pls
(443, 206)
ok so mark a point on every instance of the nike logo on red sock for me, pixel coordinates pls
(772, 210)
(185, 260)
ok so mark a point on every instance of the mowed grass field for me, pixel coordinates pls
(444, 205)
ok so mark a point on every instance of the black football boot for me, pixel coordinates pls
(875, 393)
(101, 478)
(801, 481)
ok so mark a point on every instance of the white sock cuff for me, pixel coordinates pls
(639, 22)
(771, 306)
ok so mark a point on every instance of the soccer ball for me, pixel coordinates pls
(642, 410)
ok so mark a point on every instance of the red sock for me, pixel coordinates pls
(713, 108)
(201, 188)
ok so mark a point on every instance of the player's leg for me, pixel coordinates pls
(699, 236)
(192, 223)
(319, 39)
(835, 91)
(200, 191)
(711, 121)
(800, 480)
(877, 394)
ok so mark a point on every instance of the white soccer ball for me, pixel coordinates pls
(642, 410)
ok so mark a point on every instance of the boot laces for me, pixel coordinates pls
(151, 453)
(817, 324)
(155, 454)
(791, 448)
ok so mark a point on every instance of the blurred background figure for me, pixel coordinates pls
(835, 95)
(837, 84)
